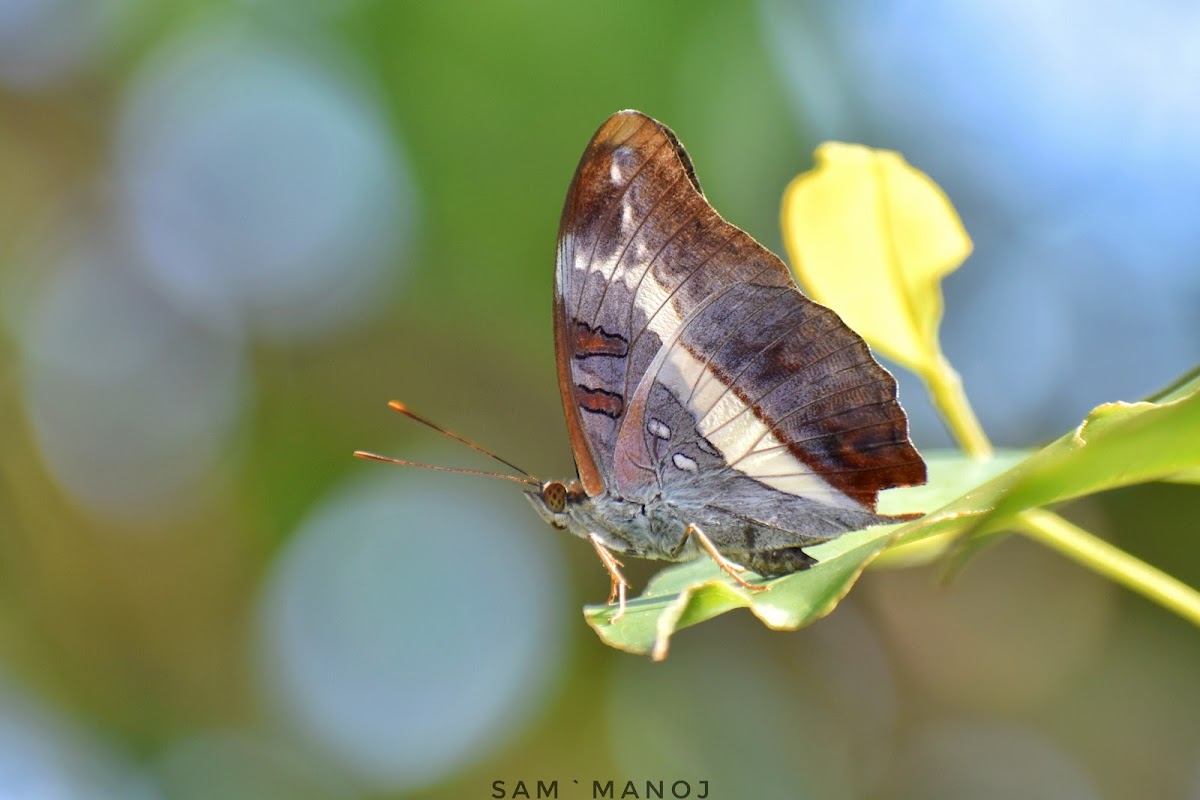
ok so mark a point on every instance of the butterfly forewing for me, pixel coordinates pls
(686, 356)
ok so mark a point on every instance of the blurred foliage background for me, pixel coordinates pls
(231, 231)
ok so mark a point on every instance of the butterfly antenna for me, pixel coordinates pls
(403, 409)
(396, 405)
(376, 457)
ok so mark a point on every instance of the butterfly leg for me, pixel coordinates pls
(728, 567)
(614, 572)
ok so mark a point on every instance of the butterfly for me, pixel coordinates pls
(712, 408)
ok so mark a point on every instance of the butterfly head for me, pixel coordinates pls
(555, 500)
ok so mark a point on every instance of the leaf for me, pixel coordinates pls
(952, 475)
(1118, 444)
(866, 218)
(690, 593)
(685, 595)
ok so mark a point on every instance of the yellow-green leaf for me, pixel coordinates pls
(871, 237)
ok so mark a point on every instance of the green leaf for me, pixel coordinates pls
(864, 218)
(952, 476)
(690, 593)
(1119, 444)
(685, 595)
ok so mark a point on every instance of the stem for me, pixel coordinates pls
(1097, 554)
(946, 389)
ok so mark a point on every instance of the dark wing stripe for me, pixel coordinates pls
(815, 401)
(844, 431)
(841, 413)
(596, 341)
(873, 446)
(823, 381)
(599, 401)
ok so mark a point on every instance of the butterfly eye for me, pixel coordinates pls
(554, 495)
